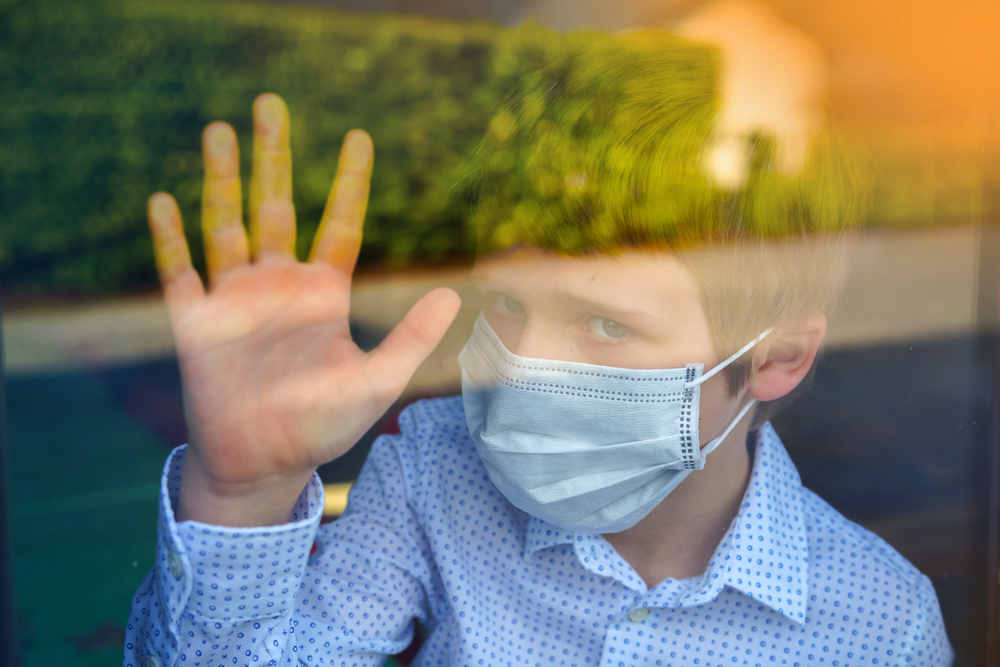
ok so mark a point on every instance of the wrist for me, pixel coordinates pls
(237, 504)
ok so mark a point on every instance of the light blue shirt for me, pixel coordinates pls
(427, 536)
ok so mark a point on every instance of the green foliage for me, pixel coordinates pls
(603, 150)
(104, 103)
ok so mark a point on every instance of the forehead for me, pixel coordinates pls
(644, 280)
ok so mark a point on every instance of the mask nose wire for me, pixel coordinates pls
(739, 353)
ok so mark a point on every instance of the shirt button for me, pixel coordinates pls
(176, 567)
(638, 615)
(152, 661)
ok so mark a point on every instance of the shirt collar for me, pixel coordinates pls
(764, 555)
(542, 535)
(595, 553)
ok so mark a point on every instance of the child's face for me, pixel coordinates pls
(639, 310)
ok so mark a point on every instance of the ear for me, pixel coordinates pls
(789, 355)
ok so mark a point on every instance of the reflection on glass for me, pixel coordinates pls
(669, 242)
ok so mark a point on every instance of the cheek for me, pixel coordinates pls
(507, 328)
(716, 408)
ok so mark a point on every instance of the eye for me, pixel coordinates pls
(606, 328)
(506, 303)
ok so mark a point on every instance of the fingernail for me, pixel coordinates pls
(160, 210)
(358, 152)
(270, 115)
(220, 141)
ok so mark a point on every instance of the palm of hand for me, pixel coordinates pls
(267, 360)
(274, 385)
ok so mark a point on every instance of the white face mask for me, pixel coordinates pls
(584, 447)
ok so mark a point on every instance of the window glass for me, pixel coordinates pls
(104, 104)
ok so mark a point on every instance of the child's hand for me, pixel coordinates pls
(274, 386)
(773, 81)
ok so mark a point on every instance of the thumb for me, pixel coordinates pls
(413, 339)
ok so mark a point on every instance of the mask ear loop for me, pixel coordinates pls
(739, 353)
(710, 447)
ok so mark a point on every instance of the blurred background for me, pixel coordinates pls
(102, 102)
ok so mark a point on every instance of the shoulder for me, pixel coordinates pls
(833, 537)
(430, 417)
(858, 586)
(433, 442)
(434, 427)
(854, 572)
(427, 429)
(833, 540)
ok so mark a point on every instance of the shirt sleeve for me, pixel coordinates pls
(220, 595)
(374, 571)
(216, 591)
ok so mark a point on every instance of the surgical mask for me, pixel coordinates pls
(584, 447)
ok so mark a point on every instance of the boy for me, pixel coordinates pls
(598, 494)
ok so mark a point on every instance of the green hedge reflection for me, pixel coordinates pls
(104, 103)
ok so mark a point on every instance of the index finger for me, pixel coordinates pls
(338, 238)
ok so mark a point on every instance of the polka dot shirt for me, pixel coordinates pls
(426, 536)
